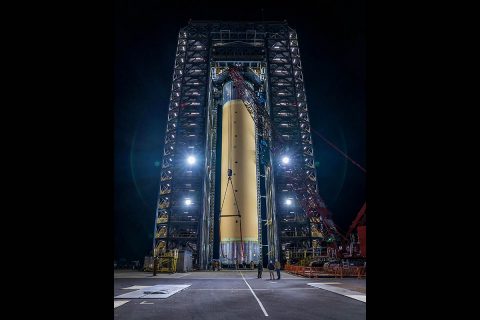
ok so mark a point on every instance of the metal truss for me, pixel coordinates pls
(306, 222)
(178, 223)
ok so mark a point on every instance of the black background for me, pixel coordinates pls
(62, 144)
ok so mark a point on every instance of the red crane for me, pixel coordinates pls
(309, 199)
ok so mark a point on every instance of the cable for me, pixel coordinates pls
(309, 199)
(299, 185)
(220, 216)
(340, 151)
(230, 129)
(229, 181)
(240, 218)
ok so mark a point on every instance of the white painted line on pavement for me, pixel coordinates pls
(358, 297)
(217, 289)
(239, 278)
(136, 287)
(236, 278)
(183, 275)
(258, 300)
(276, 289)
(118, 303)
(344, 292)
(145, 302)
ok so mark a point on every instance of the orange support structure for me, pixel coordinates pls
(362, 238)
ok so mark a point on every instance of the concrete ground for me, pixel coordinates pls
(241, 295)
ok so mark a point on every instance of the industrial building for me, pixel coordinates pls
(238, 180)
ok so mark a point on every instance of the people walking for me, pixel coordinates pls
(271, 268)
(260, 269)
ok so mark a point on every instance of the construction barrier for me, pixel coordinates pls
(330, 271)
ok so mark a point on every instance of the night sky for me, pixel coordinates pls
(332, 48)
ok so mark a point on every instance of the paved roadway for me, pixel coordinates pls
(240, 295)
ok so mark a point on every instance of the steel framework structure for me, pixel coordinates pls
(188, 205)
(180, 203)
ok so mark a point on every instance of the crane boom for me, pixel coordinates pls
(359, 217)
(308, 197)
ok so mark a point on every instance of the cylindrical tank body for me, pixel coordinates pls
(238, 236)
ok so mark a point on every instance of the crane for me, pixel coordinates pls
(308, 198)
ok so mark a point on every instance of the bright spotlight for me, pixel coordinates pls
(191, 160)
(188, 202)
(285, 160)
(288, 202)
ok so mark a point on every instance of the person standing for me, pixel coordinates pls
(271, 267)
(155, 265)
(260, 269)
(277, 268)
